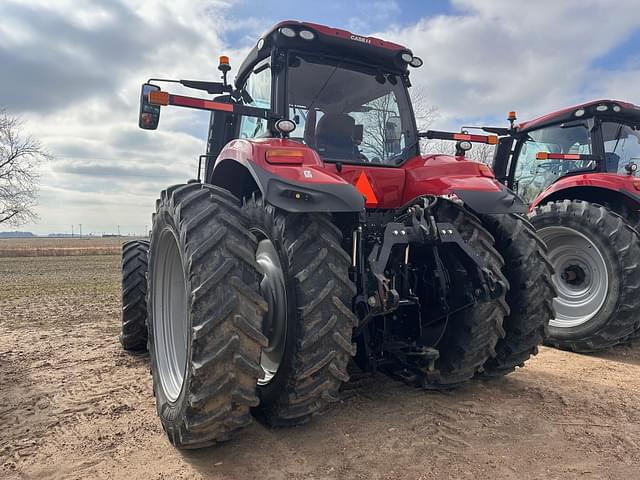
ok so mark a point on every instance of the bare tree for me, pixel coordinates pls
(376, 122)
(380, 119)
(19, 159)
(426, 114)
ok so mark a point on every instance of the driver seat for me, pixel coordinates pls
(334, 136)
(612, 162)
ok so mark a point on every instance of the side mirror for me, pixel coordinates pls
(149, 114)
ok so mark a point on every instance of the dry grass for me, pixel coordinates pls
(56, 247)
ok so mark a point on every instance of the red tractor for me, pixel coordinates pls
(577, 170)
(317, 237)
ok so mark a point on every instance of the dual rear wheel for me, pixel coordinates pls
(249, 310)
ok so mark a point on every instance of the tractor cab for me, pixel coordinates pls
(345, 94)
(600, 137)
(343, 101)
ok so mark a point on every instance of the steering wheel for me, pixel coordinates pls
(545, 166)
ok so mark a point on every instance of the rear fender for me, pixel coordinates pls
(303, 186)
(599, 188)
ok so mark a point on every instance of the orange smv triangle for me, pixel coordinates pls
(364, 187)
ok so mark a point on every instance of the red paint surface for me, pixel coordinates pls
(430, 174)
(344, 34)
(254, 150)
(559, 113)
(608, 181)
(388, 187)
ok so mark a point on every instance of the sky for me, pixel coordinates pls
(72, 71)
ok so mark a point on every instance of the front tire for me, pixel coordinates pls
(310, 322)
(205, 315)
(595, 255)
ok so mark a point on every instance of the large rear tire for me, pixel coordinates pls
(310, 323)
(205, 315)
(133, 335)
(471, 334)
(596, 258)
(530, 297)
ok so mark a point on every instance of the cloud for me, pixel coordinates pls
(73, 69)
(58, 59)
(493, 56)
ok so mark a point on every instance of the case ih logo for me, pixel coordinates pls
(358, 38)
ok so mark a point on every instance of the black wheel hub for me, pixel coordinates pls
(574, 275)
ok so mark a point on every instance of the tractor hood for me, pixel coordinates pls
(440, 175)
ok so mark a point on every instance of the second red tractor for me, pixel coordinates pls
(577, 168)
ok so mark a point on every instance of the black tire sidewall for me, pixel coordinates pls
(583, 226)
(171, 412)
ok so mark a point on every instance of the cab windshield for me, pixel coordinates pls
(349, 113)
(533, 175)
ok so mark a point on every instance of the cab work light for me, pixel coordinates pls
(288, 32)
(307, 35)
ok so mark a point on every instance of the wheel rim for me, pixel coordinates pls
(581, 276)
(170, 316)
(274, 323)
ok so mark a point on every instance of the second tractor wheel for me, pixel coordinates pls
(133, 336)
(530, 297)
(309, 324)
(205, 315)
(595, 256)
(471, 334)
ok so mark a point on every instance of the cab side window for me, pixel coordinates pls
(621, 146)
(532, 175)
(257, 91)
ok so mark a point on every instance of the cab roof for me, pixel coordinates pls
(326, 40)
(595, 107)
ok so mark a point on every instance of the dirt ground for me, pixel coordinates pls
(73, 405)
